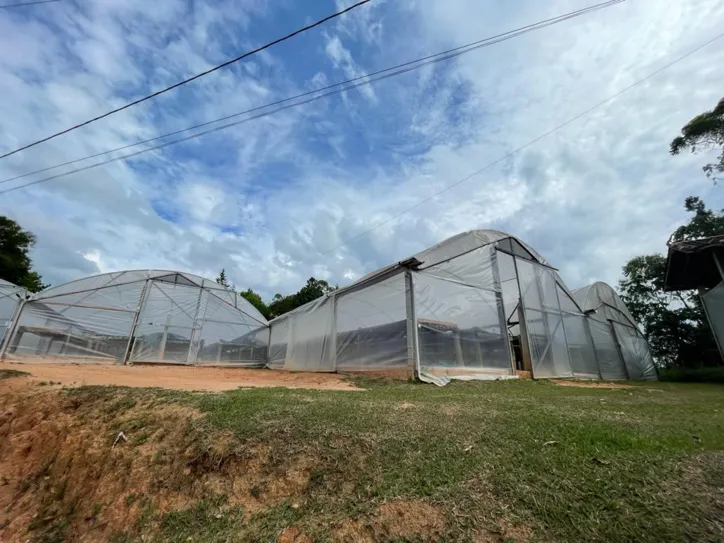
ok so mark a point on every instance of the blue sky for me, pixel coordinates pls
(269, 200)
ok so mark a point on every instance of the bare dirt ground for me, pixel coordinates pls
(178, 377)
(590, 384)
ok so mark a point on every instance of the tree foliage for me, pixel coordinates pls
(255, 299)
(223, 281)
(313, 289)
(281, 304)
(704, 132)
(674, 322)
(15, 264)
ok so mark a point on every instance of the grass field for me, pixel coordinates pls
(486, 462)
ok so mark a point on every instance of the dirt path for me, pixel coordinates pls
(178, 377)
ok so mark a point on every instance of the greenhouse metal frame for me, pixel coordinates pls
(11, 297)
(150, 316)
(480, 305)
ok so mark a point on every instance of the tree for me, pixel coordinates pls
(15, 264)
(313, 289)
(704, 132)
(675, 323)
(223, 281)
(254, 299)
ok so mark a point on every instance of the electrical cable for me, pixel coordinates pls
(522, 147)
(197, 76)
(27, 4)
(471, 46)
(409, 66)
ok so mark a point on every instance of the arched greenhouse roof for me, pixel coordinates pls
(467, 241)
(447, 249)
(8, 289)
(117, 279)
(602, 298)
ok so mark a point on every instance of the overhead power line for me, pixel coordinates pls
(341, 87)
(197, 76)
(522, 147)
(27, 4)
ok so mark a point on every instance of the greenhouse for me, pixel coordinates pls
(480, 305)
(139, 316)
(11, 297)
(622, 350)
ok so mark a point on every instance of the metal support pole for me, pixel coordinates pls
(11, 329)
(413, 346)
(164, 338)
(134, 324)
(333, 335)
(193, 357)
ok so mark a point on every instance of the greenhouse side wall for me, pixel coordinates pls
(559, 336)
(11, 298)
(356, 330)
(460, 319)
(140, 316)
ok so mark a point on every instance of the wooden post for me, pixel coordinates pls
(459, 360)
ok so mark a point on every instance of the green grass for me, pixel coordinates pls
(560, 464)
(7, 374)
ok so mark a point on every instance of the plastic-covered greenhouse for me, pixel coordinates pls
(623, 352)
(11, 297)
(140, 316)
(480, 305)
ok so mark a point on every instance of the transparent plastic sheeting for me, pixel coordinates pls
(609, 361)
(560, 341)
(605, 302)
(178, 318)
(635, 352)
(608, 312)
(278, 341)
(10, 298)
(55, 331)
(713, 301)
(311, 337)
(460, 330)
(372, 327)
(359, 330)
